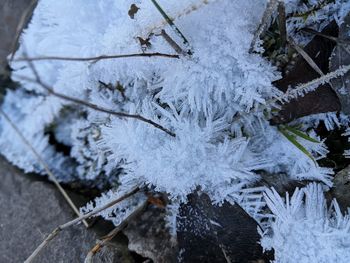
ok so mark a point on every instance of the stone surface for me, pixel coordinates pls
(341, 188)
(11, 12)
(149, 237)
(212, 233)
(30, 210)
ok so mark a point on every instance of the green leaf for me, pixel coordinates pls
(301, 134)
(292, 139)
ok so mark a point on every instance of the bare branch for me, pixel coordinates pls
(57, 230)
(96, 107)
(97, 58)
(50, 174)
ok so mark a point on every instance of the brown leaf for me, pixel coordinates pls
(133, 10)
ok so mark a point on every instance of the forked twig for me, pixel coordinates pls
(51, 176)
(51, 91)
(57, 230)
(102, 241)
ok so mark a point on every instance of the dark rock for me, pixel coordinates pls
(210, 233)
(11, 12)
(30, 210)
(341, 188)
(149, 237)
(341, 57)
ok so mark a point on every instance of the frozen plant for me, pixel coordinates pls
(304, 229)
(214, 99)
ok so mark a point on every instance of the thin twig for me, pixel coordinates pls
(102, 242)
(51, 91)
(97, 58)
(57, 230)
(50, 174)
(341, 42)
(172, 42)
(98, 108)
(314, 32)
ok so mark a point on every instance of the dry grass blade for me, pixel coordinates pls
(305, 56)
(314, 32)
(102, 242)
(57, 230)
(51, 176)
(97, 58)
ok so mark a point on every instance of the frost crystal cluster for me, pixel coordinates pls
(305, 229)
(215, 98)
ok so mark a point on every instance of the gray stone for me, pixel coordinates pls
(11, 12)
(149, 237)
(30, 210)
(341, 188)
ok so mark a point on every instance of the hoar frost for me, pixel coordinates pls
(214, 100)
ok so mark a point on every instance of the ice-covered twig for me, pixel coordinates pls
(302, 89)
